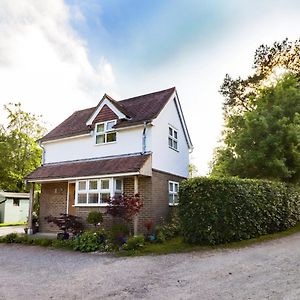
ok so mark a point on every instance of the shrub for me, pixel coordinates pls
(134, 243)
(168, 230)
(42, 242)
(94, 217)
(118, 234)
(125, 206)
(10, 238)
(66, 223)
(214, 211)
(149, 226)
(63, 244)
(90, 241)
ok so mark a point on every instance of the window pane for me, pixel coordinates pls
(175, 198)
(100, 139)
(93, 184)
(170, 131)
(93, 197)
(82, 185)
(109, 125)
(100, 127)
(170, 142)
(104, 197)
(111, 137)
(175, 145)
(170, 187)
(118, 185)
(175, 134)
(170, 199)
(82, 198)
(16, 202)
(105, 184)
(176, 187)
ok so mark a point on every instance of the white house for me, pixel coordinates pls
(140, 144)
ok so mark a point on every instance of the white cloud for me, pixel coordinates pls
(43, 62)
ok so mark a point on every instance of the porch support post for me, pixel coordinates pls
(31, 197)
(135, 219)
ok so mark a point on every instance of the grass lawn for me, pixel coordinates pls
(12, 224)
(177, 245)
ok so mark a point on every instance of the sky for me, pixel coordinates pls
(60, 56)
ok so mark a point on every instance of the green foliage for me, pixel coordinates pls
(118, 234)
(168, 230)
(214, 211)
(94, 217)
(9, 238)
(264, 142)
(134, 243)
(87, 242)
(19, 152)
(269, 61)
(63, 244)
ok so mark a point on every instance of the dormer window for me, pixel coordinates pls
(173, 136)
(105, 133)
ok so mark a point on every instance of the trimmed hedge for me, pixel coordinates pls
(215, 211)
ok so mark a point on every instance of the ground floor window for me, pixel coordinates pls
(173, 192)
(95, 192)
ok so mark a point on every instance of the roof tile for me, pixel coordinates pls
(139, 109)
(84, 168)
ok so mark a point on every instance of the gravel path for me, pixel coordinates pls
(265, 271)
(11, 229)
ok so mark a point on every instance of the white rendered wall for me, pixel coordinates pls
(164, 158)
(16, 214)
(128, 141)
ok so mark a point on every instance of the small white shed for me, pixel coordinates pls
(13, 207)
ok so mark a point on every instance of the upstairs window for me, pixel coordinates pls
(173, 192)
(173, 138)
(105, 132)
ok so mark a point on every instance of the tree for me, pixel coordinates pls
(19, 152)
(193, 170)
(264, 141)
(241, 94)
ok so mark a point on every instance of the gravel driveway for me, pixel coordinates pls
(265, 271)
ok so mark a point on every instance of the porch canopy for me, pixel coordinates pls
(138, 164)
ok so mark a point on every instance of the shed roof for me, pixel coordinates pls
(14, 195)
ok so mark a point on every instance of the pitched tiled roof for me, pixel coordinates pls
(139, 109)
(85, 168)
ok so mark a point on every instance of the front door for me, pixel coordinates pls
(71, 208)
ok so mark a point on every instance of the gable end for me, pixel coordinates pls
(105, 114)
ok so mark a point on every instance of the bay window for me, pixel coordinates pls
(95, 192)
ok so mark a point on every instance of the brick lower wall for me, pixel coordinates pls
(53, 202)
(160, 195)
(153, 190)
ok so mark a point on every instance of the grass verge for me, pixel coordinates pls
(12, 224)
(177, 245)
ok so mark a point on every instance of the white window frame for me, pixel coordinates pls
(173, 192)
(173, 138)
(105, 132)
(111, 191)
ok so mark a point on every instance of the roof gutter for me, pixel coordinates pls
(82, 177)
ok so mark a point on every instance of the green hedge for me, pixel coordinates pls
(215, 211)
